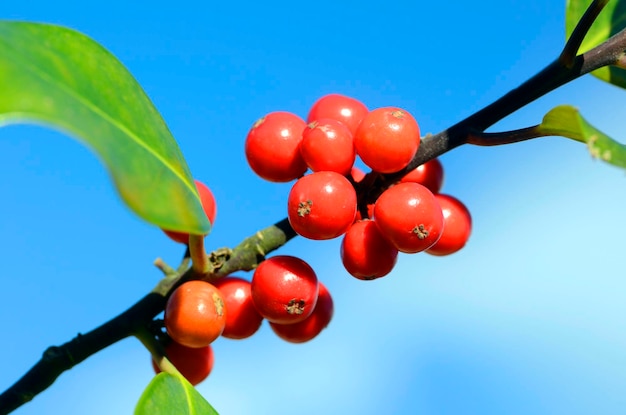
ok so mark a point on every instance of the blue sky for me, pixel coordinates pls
(528, 318)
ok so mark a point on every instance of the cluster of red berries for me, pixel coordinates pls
(410, 216)
(284, 290)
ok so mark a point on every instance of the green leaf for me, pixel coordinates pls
(566, 121)
(60, 78)
(611, 20)
(169, 394)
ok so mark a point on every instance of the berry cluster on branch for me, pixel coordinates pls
(335, 199)
(372, 215)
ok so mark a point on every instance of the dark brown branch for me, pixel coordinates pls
(505, 137)
(547, 80)
(580, 31)
(252, 250)
(58, 359)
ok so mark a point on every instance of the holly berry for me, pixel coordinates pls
(357, 174)
(208, 205)
(313, 325)
(272, 147)
(195, 314)
(409, 216)
(349, 111)
(365, 253)
(457, 226)
(321, 205)
(284, 289)
(429, 174)
(387, 139)
(242, 318)
(194, 363)
(327, 145)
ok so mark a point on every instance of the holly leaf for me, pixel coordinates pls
(566, 121)
(62, 79)
(172, 394)
(612, 19)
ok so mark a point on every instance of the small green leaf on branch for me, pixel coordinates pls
(566, 121)
(170, 394)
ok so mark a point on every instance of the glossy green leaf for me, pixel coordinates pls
(60, 78)
(169, 394)
(566, 121)
(611, 20)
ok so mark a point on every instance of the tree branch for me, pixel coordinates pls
(252, 250)
(580, 31)
(547, 80)
(505, 137)
(58, 359)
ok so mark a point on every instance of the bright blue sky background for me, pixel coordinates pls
(528, 318)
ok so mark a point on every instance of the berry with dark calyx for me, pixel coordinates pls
(208, 205)
(194, 363)
(195, 314)
(349, 111)
(242, 318)
(313, 325)
(321, 205)
(387, 139)
(365, 253)
(284, 289)
(429, 174)
(409, 216)
(273, 147)
(457, 226)
(327, 145)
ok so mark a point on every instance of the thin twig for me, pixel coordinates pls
(199, 260)
(505, 137)
(58, 359)
(570, 50)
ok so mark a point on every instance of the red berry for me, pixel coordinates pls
(429, 174)
(321, 205)
(242, 318)
(365, 253)
(409, 216)
(284, 289)
(387, 139)
(194, 363)
(313, 325)
(272, 147)
(457, 226)
(195, 314)
(327, 145)
(208, 205)
(347, 110)
(357, 174)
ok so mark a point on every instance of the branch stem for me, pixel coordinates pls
(136, 319)
(506, 137)
(570, 50)
(252, 250)
(553, 76)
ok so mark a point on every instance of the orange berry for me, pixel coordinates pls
(195, 314)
